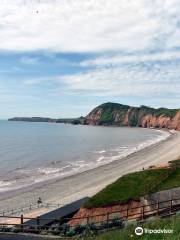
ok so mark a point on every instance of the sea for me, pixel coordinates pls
(31, 153)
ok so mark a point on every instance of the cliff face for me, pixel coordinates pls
(123, 115)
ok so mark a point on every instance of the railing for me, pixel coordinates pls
(30, 207)
(141, 213)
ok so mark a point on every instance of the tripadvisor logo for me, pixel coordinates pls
(139, 231)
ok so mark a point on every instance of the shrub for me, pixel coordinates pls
(117, 222)
(71, 233)
(64, 228)
(79, 228)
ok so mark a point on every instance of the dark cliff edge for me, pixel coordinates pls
(123, 115)
(32, 119)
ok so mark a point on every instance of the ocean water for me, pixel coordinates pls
(31, 153)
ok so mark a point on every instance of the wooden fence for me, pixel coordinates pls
(161, 209)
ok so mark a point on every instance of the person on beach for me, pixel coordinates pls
(39, 201)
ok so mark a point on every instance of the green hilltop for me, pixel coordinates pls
(116, 114)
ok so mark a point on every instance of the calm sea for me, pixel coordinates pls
(34, 152)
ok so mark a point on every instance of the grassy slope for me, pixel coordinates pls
(172, 181)
(128, 233)
(134, 185)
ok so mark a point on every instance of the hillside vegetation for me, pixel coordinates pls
(134, 185)
(128, 233)
(124, 115)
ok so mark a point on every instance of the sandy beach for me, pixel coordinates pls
(89, 182)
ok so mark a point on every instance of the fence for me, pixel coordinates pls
(30, 207)
(141, 213)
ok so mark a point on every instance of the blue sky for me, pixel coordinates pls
(65, 58)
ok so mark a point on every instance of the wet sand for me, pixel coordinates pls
(88, 183)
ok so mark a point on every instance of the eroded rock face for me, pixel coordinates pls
(100, 214)
(175, 124)
(93, 118)
(162, 122)
(122, 115)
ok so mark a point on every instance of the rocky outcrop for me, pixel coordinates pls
(162, 121)
(123, 115)
(94, 117)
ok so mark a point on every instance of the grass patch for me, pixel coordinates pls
(128, 233)
(172, 181)
(130, 186)
(175, 163)
(134, 185)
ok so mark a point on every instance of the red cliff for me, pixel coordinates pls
(123, 115)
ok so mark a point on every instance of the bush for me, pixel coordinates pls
(79, 228)
(71, 233)
(130, 223)
(64, 228)
(93, 227)
(117, 222)
(178, 213)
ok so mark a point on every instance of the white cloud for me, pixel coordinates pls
(118, 59)
(29, 60)
(126, 81)
(131, 37)
(35, 81)
(83, 26)
(41, 80)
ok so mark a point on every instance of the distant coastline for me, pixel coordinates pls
(50, 120)
(115, 114)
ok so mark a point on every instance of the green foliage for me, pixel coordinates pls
(172, 181)
(64, 228)
(114, 106)
(71, 233)
(130, 186)
(128, 233)
(133, 120)
(116, 222)
(110, 110)
(175, 163)
(106, 118)
(166, 112)
(79, 228)
(135, 185)
(144, 110)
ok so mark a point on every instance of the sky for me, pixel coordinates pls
(62, 58)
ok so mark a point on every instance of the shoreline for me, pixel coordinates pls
(165, 134)
(87, 183)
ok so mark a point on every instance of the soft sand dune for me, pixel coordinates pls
(88, 183)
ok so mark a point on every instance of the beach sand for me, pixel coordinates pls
(88, 183)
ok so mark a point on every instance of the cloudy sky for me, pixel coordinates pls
(61, 58)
